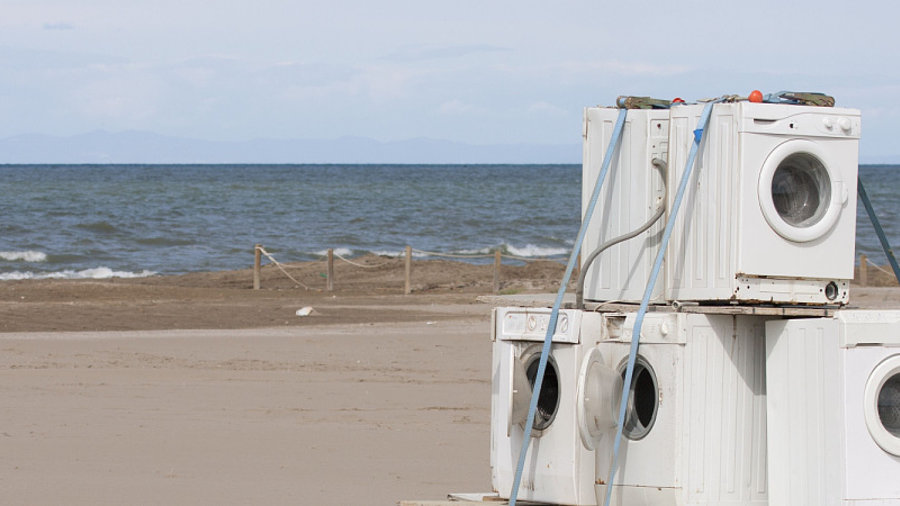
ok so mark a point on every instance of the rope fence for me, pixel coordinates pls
(259, 251)
(864, 264)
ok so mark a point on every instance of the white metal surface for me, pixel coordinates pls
(829, 442)
(707, 444)
(559, 468)
(750, 228)
(632, 192)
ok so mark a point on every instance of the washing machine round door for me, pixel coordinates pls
(596, 396)
(800, 194)
(882, 405)
(642, 404)
(524, 376)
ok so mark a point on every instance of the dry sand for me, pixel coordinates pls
(377, 397)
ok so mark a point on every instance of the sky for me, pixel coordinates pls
(479, 72)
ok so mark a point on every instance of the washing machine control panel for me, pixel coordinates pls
(807, 121)
(530, 324)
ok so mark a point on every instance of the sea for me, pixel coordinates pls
(102, 221)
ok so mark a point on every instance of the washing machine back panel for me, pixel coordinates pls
(633, 190)
(803, 373)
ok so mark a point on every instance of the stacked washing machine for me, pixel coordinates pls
(732, 401)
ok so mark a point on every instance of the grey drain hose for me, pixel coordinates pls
(660, 210)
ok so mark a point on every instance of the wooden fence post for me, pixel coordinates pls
(407, 288)
(330, 271)
(256, 263)
(863, 270)
(498, 256)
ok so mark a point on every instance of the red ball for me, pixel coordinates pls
(756, 96)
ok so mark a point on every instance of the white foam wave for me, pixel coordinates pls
(344, 252)
(389, 253)
(531, 250)
(482, 251)
(23, 256)
(96, 273)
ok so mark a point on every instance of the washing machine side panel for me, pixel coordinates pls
(871, 473)
(770, 254)
(723, 435)
(502, 459)
(631, 193)
(804, 377)
(701, 255)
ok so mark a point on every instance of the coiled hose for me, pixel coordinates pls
(660, 210)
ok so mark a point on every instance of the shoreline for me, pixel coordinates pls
(441, 290)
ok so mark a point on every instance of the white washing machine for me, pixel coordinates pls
(770, 211)
(695, 433)
(559, 467)
(633, 190)
(834, 409)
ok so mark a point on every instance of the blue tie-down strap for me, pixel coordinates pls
(554, 313)
(651, 284)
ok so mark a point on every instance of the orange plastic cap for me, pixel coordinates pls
(756, 96)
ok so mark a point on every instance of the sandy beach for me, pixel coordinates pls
(198, 390)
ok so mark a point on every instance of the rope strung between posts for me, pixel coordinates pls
(873, 264)
(277, 264)
(351, 262)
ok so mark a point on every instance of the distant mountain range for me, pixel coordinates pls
(144, 147)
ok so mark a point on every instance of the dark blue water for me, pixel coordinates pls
(175, 219)
(98, 221)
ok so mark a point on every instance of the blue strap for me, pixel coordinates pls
(645, 302)
(554, 314)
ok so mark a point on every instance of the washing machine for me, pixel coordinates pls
(560, 466)
(695, 429)
(834, 409)
(769, 214)
(634, 189)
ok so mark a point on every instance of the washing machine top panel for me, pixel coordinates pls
(530, 324)
(869, 327)
(796, 120)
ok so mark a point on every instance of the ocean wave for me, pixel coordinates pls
(344, 252)
(23, 256)
(96, 273)
(533, 251)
